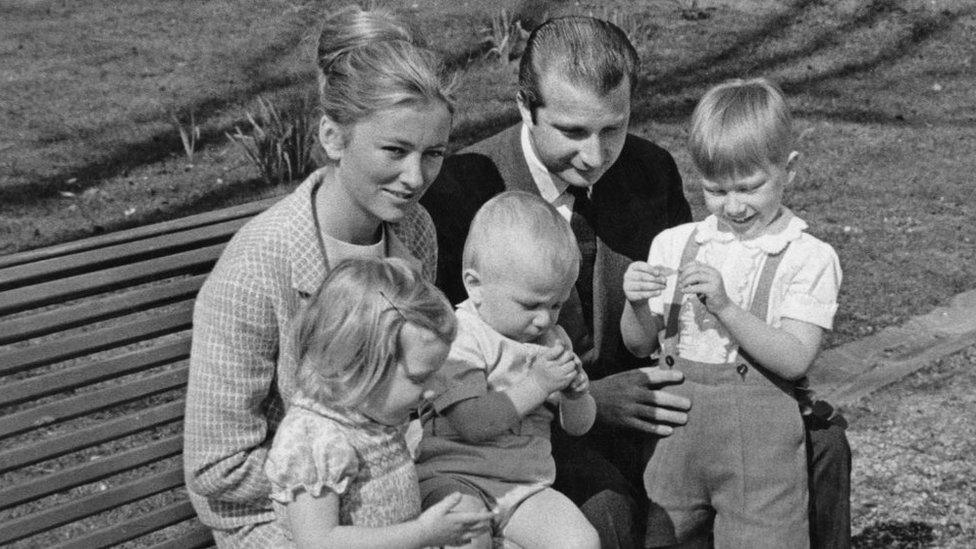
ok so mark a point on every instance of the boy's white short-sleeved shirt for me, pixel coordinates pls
(804, 288)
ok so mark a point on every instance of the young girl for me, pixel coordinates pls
(742, 298)
(367, 345)
(385, 125)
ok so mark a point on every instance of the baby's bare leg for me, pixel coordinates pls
(549, 519)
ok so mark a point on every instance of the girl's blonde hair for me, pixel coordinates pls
(369, 61)
(740, 126)
(348, 334)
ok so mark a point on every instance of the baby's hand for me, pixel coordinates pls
(705, 282)
(643, 281)
(445, 526)
(580, 384)
(554, 368)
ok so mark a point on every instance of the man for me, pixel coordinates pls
(619, 191)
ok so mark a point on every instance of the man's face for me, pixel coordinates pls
(577, 133)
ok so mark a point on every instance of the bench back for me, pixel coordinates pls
(94, 345)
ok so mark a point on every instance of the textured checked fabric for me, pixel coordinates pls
(238, 371)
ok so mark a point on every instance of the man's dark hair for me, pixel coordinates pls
(589, 52)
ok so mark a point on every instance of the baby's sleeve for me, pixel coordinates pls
(464, 373)
(811, 293)
(310, 459)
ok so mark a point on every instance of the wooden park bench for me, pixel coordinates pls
(94, 347)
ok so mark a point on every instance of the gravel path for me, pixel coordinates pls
(914, 447)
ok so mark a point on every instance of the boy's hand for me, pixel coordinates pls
(643, 281)
(705, 282)
(554, 368)
(445, 526)
(580, 384)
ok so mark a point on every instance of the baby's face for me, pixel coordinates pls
(747, 205)
(521, 303)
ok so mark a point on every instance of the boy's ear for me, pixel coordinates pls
(472, 285)
(332, 136)
(791, 162)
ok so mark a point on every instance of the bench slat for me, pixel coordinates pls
(87, 506)
(91, 472)
(29, 274)
(192, 262)
(65, 318)
(109, 337)
(137, 233)
(200, 537)
(69, 408)
(131, 529)
(90, 373)
(85, 438)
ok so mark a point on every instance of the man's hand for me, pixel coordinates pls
(634, 399)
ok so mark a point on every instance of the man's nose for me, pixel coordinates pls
(591, 152)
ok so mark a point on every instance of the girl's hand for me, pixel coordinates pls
(580, 384)
(445, 526)
(643, 281)
(705, 282)
(554, 368)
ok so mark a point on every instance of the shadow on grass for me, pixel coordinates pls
(894, 535)
(785, 38)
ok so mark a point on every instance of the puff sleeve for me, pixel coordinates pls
(306, 456)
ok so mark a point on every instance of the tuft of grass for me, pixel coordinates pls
(189, 134)
(281, 140)
(504, 36)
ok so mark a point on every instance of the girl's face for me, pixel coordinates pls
(388, 159)
(747, 205)
(412, 380)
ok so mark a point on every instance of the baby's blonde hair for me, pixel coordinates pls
(740, 126)
(517, 221)
(348, 334)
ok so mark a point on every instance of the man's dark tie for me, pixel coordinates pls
(581, 222)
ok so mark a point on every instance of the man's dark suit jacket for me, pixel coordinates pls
(639, 196)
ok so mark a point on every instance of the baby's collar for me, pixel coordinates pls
(783, 231)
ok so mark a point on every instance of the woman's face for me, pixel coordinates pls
(389, 159)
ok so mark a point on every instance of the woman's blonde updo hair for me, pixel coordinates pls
(372, 60)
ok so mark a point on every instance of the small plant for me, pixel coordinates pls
(505, 36)
(690, 10)
(189, 135)
(637, 26)
(280, 142)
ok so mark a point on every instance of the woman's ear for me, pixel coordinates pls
(472, 285)
(332, 136)
(791, 162)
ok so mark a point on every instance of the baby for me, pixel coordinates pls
(510, 367)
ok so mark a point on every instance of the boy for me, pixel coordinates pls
(742, 299)
(511, 363)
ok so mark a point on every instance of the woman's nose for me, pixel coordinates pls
(412, 174)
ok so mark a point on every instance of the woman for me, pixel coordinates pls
(387, 118)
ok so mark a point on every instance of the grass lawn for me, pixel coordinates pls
(883, 93)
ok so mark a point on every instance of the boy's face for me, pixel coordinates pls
(747, 205)
(521, 302)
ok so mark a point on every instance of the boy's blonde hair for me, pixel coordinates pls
(520, 226)
(740, 126)
(348, 334)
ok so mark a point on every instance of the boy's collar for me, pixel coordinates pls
(785, 229)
